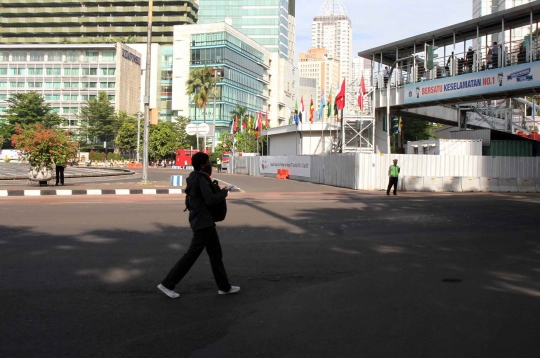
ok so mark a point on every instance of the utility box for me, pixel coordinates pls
(446, 147)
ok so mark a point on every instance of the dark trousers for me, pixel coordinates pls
(219, 168)
(59, 174)
(207, 237)
(392, 182)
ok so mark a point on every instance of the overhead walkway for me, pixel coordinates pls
(452, 75)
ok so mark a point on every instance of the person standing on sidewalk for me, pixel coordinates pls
(393, 173)
(201, 196)
(218, 162)
(60, 166)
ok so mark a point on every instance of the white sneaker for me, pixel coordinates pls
(233, 289)
(168, 292)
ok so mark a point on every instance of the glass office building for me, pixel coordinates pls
(241, 63)
(265, 21)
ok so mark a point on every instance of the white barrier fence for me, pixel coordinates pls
(432, 172)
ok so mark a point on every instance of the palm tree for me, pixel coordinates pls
(201, 84)
(239, 112)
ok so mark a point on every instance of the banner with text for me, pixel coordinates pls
(502, 79)
(296, 165)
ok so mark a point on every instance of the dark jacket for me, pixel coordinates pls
(200, 196)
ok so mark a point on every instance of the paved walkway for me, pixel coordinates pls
(81, 181)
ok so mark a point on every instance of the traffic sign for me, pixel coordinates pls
(191, 129)
(200, 129)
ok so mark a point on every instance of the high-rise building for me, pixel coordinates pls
(361, 67)
(331, 29)
(99, 21)
(265, 21)
(320, 64)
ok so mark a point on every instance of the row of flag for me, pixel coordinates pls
(339, 103)
(247, 124)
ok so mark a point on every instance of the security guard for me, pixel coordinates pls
(393, 173)
(218, 165)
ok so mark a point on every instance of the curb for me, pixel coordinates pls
(65, 192)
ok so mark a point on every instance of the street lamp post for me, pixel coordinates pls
(214, 114)
(147, 92)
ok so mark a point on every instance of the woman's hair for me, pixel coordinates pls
(199, 160)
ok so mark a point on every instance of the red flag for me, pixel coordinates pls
(235, 127)
(260, 121)
(361, 92)
(302, 103)
(340, 97)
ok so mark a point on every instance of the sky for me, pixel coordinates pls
(379, 22)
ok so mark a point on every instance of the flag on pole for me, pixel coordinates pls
(361, 93)
(296, 112)
(244, 124)
(321, 106)
(340, 97)
(302, 109)
(256, 122)
(232, 127)
(400, 125)
(259, 122)
(267, 124)
(329, 105)
(235, 127)
(311, 110)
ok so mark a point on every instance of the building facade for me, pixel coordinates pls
(320, 65)
(250, 76)
(265, 21)
(99, 21)
(67, 76)
(361, 67)
(332, 29)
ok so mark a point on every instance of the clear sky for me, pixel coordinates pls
(378, 22)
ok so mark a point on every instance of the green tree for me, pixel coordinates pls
(239, 112)
(201, 86)
(126, 134)
(26, 109)
(164, 139)
(184, 138)
(414, 129)
(98, 121)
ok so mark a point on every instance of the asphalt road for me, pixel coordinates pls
(324, 272)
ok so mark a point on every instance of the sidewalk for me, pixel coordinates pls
(22, 188)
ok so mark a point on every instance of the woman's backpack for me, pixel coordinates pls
(219, 210)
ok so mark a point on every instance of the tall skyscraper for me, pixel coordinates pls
(332, 29)
(265, 21)
(70, 21)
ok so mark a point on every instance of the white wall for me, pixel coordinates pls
(370, 171)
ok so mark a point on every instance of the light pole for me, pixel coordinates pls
(147, 92)
(139, 123)
(214, 114)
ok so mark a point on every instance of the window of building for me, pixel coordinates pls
(3, 84)
(53, 71)
(17, 71)
(18, 56)
(2, 109)
(91, 56)
(73, 56)
(71, 71)
(37, 56)
(4, 56)
(52, 97)
(69, 109)
(108, 71)
(84, 97)
(89, 71)
(3, 71)
(54, 56)
(89, 84)
(35, 84)
(111, 97)
(35, 71)
(56, 109)
(3, 97)
(16, 84)
(108, 56)
(106, 85)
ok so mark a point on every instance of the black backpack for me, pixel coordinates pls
(219, 210)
